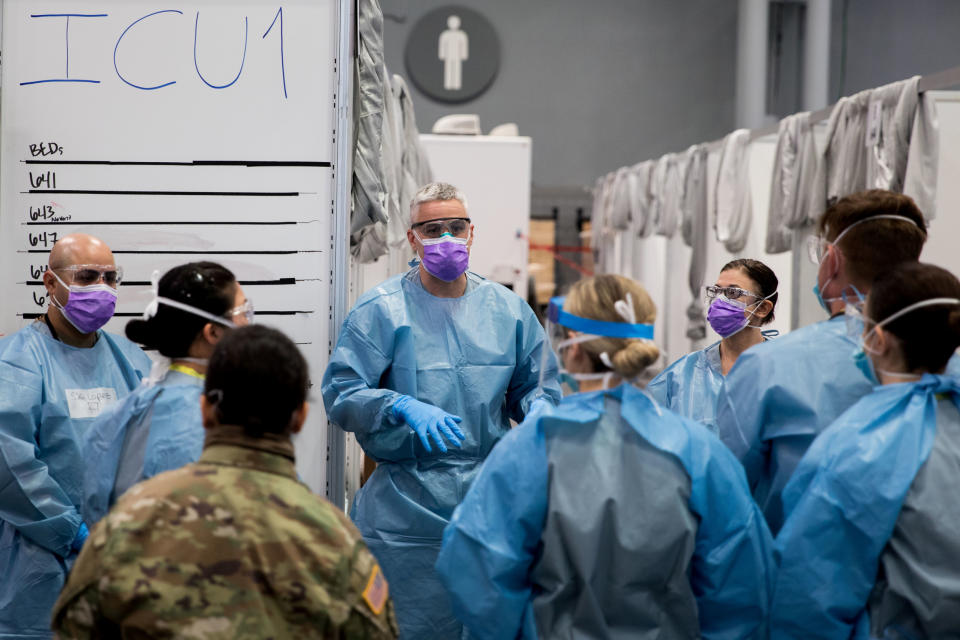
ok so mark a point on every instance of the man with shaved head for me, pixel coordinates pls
(56, 375)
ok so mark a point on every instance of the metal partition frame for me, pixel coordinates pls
(340, 251)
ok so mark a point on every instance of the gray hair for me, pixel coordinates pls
(434, 192)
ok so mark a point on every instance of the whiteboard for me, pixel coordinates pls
(202, 132)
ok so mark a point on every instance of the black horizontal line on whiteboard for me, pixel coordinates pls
(146, 283)
(157, 222)
(220, 253)
(111, 192)
(191, 163)
(132, 314)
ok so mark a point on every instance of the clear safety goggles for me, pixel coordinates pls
(816, 248)
(446, 237)
(245, 310)
(857, 321)
(433, 229)
(711, 292)
(817, 245)
(84, 275)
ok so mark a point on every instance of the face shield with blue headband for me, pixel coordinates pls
(565, 329)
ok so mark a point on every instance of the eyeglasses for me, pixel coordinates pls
(457, 227)
(245, 310)
(87, 274)
(816, 248)
(731, 293)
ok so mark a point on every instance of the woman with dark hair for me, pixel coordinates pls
(741, 304)
(157, 427)
(870, 544)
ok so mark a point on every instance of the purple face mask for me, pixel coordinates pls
(88, 308)
(445, 257)
(726, 316)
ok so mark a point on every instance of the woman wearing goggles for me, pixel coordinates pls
(741, 302)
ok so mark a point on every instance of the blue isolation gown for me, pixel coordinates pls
(478, 356)
(690, 386)
(50, 393)
(609, 517)
(870, 544)
(776, 399)
(780, 395)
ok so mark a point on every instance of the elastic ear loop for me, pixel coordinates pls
(626, 311)
(752, 313)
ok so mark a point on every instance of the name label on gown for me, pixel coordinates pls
(90, 403)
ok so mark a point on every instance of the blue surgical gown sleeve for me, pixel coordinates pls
(830, 602)
(740, 408)
(525, 385)
(30, 499)
(732, 573)
(351, 382)
(490, 544)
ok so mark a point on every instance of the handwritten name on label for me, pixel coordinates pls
(89, 403)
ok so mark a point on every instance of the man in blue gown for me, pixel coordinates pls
(429, 369)
(56, 376)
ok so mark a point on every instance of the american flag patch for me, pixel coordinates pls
(377, 591)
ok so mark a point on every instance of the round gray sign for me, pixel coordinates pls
(452, 54)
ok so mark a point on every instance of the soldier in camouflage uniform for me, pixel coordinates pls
(232, 546)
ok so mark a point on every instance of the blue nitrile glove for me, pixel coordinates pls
(428, 420)
(82, 533)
